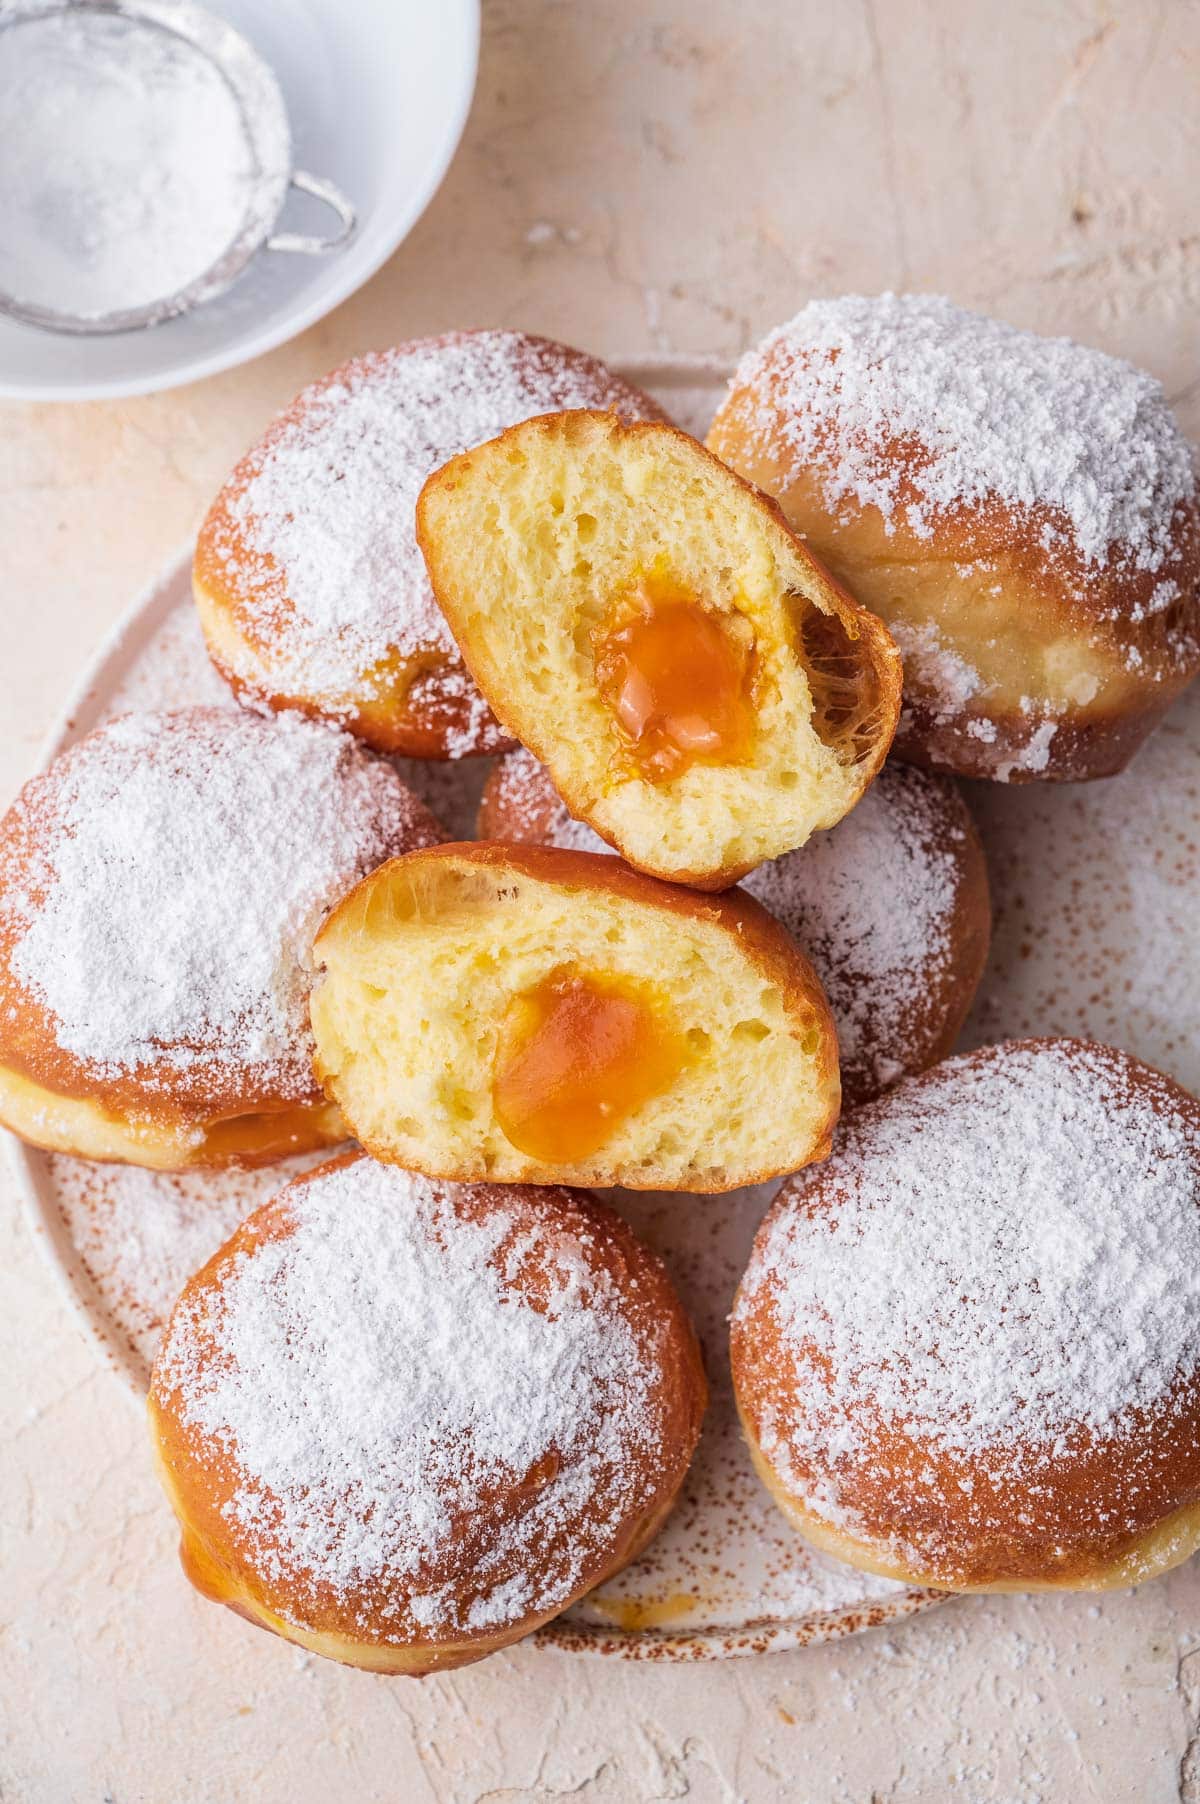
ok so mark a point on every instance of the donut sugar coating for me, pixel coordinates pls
(1022, 511)
(525, 1014)
(309, 585)
(403, 1422)
(891, 906)
(646, 624)
(160, 886)
(966, 1349)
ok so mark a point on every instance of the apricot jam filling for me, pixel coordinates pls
(578, 1055)
(678, 679)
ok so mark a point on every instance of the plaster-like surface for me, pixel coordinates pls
(667, 178)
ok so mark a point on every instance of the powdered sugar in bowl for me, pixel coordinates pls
(147, 150)
(147, 158)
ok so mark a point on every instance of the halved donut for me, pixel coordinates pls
(703, 694)
(402, 1422)
(521, 1013)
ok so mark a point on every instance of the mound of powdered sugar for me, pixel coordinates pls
(325, 560)
(998, 1255)
(127, 169)
(373, 1435)
(998, 414)
(181, 865)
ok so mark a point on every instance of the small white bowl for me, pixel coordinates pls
(377, 93)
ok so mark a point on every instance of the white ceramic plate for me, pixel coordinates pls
(727, 1576)
(378, 93)
(1097, 933)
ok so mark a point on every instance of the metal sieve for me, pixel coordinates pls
(268, 141)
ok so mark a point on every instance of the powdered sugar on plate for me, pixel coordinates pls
(997, 1257)
(177, 868)
(174, 670)
(987, 412)
(726, 1557)
(376, 1442)
(1094, 888)
(318, 541)
(141, 1234)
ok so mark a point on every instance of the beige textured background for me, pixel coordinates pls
(676, 178)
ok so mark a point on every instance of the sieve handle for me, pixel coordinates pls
(306, 243)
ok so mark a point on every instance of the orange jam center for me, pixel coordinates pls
(678, 681)
(579, 1055)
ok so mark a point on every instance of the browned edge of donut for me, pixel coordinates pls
(199, 1485)
(969, 938)
(1083, 750)
(767, 944)
(410, 732)
(1103, 1559)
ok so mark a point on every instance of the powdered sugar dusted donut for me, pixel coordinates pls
(891, 906)
(311, 590)
(1022, 512)
(403, 1422)
(967, 1349)
(160, 887)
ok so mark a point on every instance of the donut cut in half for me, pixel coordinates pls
(703, 694)
(519, 1013)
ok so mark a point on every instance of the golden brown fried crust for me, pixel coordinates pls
(1030, 554)
(1085, 747)
(520, 804)
(825, 597)
(428, 708)
(1090, 1512)
(759, 936)
(373, 1627)
(433, 713)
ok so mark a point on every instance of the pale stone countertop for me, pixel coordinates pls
(668, 177)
